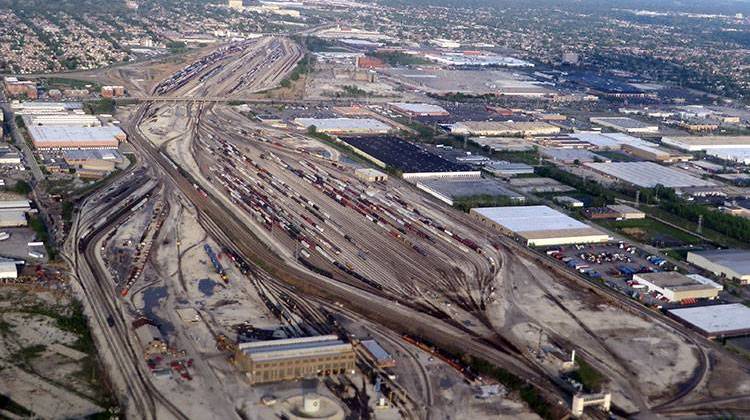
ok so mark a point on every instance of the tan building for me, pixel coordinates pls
(112, 91)
(370, 175)
(730, 263)
(295, 358)
(15, 87)
(504, 128)
(676, 287)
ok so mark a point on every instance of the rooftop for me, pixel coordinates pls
(343, 124)
(530, 218)
(738, 260)
(623, 122)
(53, 134)
(419, 108)
(649, 174)
(672, 280)
(716, 319)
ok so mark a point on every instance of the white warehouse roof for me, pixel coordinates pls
(648, 174)
(717, 320)
(541, 225)
(343, 124)
(8, 270)
(419, 108)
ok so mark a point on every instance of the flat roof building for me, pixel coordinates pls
(419, 109)
(449, 190)
(648, 174)
(381, 357)
(715, 321)
(625, 124)
(504, 168)
(675, 286)
(370, 175)
(294, 358)
(344, 125)
(63, 120)
(539, 225)
(8, 270)
(63, 138)
(730, 263)
(503, 128)
(503, 144)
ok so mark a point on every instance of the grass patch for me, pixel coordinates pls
(589, 377)
(42, 234)
(650, 231)
(484, 200)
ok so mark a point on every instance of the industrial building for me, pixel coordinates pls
(614, 211)
(370, 175)
(448, 190)
(503, 128)
(36, 107)
(378, 354)
(733, 148)
(625, 125)
(647, 174)
(716, 321)
(351, 126)
(294, 358)
(503, 144)
(730, 263)
(568, 202)
(10, 158)
(70, 138)
(15, 87)
(419, 109)
(13, 213)
(8, 270)
(569, 156)
(62, 120)
(676, 287)
(502, 168)
(539, 225)
(653, 153)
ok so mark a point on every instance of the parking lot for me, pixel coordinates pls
(613, 264)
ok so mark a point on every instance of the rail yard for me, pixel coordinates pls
(229, 232)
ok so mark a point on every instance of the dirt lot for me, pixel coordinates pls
(47, 364)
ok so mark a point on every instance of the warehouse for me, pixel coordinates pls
(625, 125)
(716, 321)
(8, 270)
(503, 128)
(569, 156)
(35, 107)
(413, 161)
(64, 120)
(502, 168)
(730, 263)
(370, 175)
(676, 287)
(503, 144)
(378, 354)
(448, 190)
(653, 153)
(344, 125)
(733, 148)
(68, 138)
(539, 225)
(648, 174)
(294, 358)
(419, 109)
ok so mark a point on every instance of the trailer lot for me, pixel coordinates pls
(613, 264)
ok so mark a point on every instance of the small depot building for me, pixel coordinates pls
(539, 225)
(370, 175)
(677, 287)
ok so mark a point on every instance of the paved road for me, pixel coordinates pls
(19, 141)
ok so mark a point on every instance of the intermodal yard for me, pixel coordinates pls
(229, 232)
